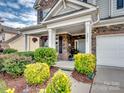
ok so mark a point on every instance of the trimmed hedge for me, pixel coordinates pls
(46, 55)
(37, 73)
(9, 51)
(85, 63)
(60, 84)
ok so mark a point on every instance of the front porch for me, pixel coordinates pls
(67, 40)
(67, 28)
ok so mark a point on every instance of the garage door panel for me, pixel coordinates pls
(110, 50)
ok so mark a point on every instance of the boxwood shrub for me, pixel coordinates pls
(60, 84)
(14, 64)
(85, 63)
(9, 51)
(37, 73)
(46, 55)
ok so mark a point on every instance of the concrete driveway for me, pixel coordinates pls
(108, 80)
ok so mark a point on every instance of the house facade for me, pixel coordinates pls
(86, 26)
(7, 35)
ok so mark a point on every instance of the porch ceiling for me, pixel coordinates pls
(73, 29)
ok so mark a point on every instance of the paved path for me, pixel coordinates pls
(78, 87)
(109, 80)
(66, 65)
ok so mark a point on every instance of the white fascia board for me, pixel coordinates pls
(35, 31)
(69, 22)
(57, 11)
(52, 10)
(70, 16)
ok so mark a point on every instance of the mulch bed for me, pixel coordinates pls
(80, 77)
(20, 84)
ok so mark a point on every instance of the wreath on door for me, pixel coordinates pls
(34, 39)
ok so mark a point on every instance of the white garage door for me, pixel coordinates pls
(110, 50)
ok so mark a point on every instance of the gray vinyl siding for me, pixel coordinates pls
(103, 8)
(114, 10)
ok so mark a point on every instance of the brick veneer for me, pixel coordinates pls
(105, 30)
(47, 4)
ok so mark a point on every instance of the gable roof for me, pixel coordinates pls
(13, 38)
(7, 29)
(60, 9)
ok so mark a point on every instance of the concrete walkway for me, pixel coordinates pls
(66, 65)
(108, 80)
(78, 87)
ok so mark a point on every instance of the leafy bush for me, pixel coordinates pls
(27, 54)
(46, 55)
(85, 63)
(9, 51)
(14, 64)
(60, 84)
(37, 73)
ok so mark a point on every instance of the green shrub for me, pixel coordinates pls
(9, 51)
(85, 63)
(60, 84)
(46, 55)
(14, 64)
(27, 54)
(37, 73)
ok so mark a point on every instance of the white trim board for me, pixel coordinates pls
(70, 22)
(35, 31)
(75, 2)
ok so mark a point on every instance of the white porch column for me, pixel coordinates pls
(26, 42)
(51, 38)
(88, 35)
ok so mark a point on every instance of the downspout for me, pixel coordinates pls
(98, 17)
